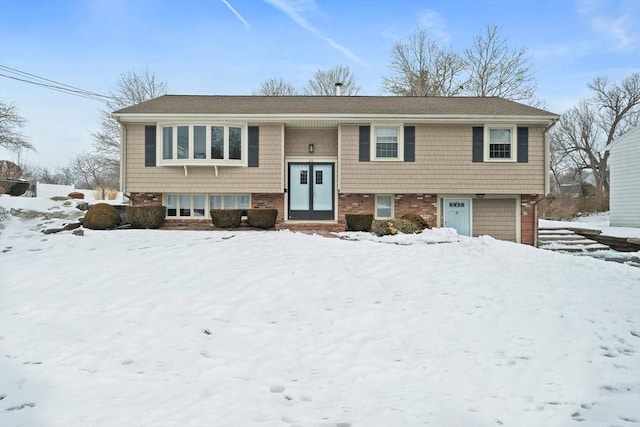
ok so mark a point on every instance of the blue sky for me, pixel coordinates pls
(231, 46)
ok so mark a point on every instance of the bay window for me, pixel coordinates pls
(203, 144)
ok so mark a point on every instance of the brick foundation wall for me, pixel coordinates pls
(355, 204)
(528, 220)
(146, 199)
(423, 204)
(269, 200)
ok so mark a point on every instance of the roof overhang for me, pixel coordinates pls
(331, 120)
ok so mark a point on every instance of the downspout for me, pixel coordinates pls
(123, 157)
(547, 157)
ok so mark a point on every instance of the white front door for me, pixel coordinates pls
(457, 214)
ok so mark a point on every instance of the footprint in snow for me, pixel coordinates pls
(20, 407)
(276, 388)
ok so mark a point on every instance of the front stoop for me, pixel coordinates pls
(564, 240)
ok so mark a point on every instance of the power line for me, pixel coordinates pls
(25, 77)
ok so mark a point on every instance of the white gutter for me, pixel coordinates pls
(409, 118)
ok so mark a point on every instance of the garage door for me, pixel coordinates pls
(495, 217)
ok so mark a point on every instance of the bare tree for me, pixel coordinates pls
(91, 170)
(61, 176)
(324, 82)
(10, 124)
(420, 67)
(496, 70)
(580, 138)
(132, 89)
(276, 87)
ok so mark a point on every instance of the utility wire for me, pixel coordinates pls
(51, 84)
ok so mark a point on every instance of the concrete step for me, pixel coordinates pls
(565, 240)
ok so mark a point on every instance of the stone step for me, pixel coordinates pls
(560, 247)
(552, 237)
(554, 231)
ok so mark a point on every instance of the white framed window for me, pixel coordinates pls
(202, 144)
(387, 142)
(384, 206)
(198, 205)
(500, 143)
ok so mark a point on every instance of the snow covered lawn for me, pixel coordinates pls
(179, 328)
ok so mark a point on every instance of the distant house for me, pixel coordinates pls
(478, 165)
(624, 177)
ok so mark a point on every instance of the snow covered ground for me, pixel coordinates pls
(228, 328)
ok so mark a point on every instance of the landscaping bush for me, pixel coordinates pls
(226, 218)
(101, 217)
(262, 218)
(146, 216)
(358, 222)
(417, 219)
(393, 226)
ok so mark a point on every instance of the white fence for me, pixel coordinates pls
(53, 190)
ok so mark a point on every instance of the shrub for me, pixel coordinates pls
(358, 222)
(226, 218)
(417, 219)
(392, 226)
(146, 216)
(262, 218)
(101, 217)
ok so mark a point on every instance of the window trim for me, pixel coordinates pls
(372, 142)
(487, 142)
(375, 207)
(207, 204)
(207, 161)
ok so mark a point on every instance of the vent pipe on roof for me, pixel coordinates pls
(338, 89)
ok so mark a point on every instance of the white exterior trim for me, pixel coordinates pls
(513, 143)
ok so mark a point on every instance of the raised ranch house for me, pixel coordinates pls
(478, 165)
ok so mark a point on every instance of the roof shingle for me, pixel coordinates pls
(259, 105)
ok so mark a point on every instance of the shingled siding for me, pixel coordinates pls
(231, 179)
(297, 140)
(443, 164)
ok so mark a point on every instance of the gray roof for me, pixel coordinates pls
(261, 105)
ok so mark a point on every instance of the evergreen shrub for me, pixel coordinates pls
(262, 218)
(226, 218)
(358, 222)
(146, 216)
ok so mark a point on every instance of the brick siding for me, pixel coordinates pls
(528, 220)
(423, 204)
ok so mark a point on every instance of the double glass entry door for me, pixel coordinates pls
(311, 193)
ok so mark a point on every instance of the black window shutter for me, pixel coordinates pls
(254, 150)
(478, 144)
(523, 145)
(409, 144)
(149, 145)
(365, 141)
